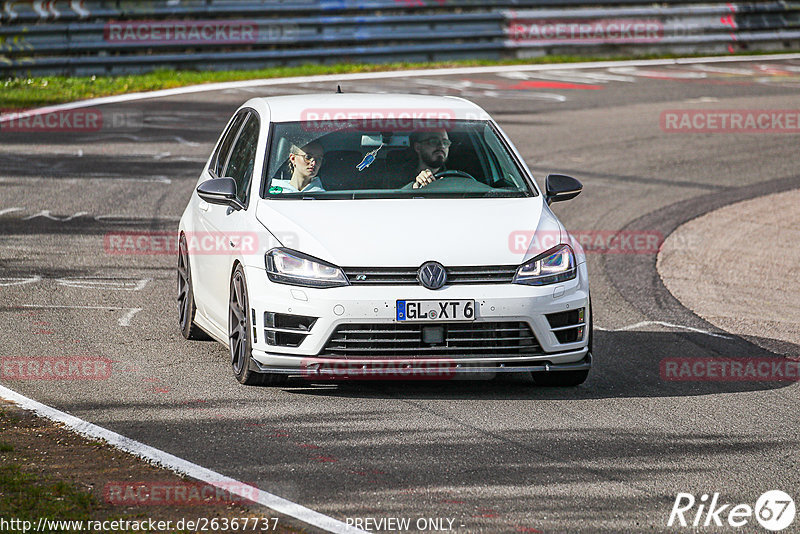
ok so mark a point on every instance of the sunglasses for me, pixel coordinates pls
(433, 142)
(309, 157)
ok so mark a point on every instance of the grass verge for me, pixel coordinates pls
(26, 496)
(49, 472)
(24, 93)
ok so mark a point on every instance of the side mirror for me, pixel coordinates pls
(560, 187)
(219, 191)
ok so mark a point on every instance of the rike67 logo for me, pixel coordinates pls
(774, 510)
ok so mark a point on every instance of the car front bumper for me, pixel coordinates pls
(371, 305)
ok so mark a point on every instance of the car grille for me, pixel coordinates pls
(497, 274)
(405, 340)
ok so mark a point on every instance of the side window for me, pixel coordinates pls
(243, 158)
(224, 147)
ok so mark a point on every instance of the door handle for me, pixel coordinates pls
(202, 205)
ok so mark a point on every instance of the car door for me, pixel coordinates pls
(199, 257)
(226, 225)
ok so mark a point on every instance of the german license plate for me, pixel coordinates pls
(435, 310)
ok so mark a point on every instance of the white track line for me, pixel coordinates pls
(390, 74)
(181, 466)
(15, 281)
(664, 324)
(125, 320)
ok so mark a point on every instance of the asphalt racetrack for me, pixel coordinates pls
(492, 456)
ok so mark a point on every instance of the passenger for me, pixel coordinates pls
(304, 163)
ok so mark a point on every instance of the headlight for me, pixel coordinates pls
(555, 265)
(286, 266)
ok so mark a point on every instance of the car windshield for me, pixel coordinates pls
(355, 159)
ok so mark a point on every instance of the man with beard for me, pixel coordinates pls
(432, 149)
(429, 156)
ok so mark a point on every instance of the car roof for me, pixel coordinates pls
(331, 106)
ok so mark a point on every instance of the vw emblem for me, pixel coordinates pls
(432, 275)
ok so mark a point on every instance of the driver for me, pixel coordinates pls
(432, 149)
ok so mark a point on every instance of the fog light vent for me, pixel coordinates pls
(568, 326)
(570, 335)
(286, 330)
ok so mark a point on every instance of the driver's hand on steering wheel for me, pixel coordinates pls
(423, 178)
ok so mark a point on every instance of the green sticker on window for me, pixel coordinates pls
(275, 189)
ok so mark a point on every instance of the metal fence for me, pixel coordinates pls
(113, 37)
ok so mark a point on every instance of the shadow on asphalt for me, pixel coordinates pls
(626, 364)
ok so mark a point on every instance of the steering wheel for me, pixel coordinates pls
(444, 180)
(453, 173)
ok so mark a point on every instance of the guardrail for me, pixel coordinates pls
(731, 27)
(113, 37)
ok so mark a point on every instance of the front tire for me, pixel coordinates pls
(239, 342)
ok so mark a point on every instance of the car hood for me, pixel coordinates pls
(409, 232)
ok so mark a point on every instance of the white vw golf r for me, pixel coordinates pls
(375, 236)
